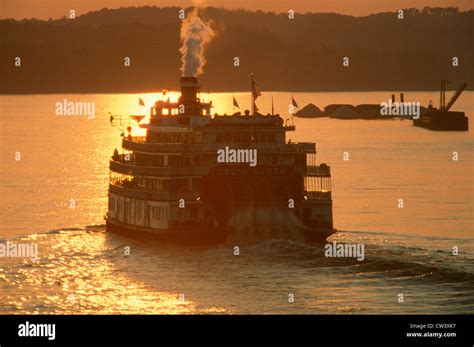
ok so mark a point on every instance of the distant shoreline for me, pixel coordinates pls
(137, 50)
(237, 91)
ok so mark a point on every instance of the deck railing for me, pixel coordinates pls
(318, 195)
(128, 167)
(132, 190)
(136, 145)
(318, 171)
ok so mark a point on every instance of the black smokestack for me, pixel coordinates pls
(189, 89)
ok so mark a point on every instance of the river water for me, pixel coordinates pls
(82, 269)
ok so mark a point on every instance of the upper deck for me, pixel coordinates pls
(184, 142)
(187, 126)
(141, 144)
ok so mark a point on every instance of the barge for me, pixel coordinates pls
(443, 118)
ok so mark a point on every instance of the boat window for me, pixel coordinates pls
(112, 204)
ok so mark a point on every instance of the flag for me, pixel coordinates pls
(235, 103)
(141, 102)
(137, 118)
(293, 102)
(255, 89)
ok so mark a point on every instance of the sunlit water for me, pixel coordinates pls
(83, 269)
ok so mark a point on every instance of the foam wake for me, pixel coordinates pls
(253, 224)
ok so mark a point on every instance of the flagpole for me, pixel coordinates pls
(252, 96)
(293, 114)
(273, 112)
(233, 106)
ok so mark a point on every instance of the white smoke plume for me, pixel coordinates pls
(196, 36)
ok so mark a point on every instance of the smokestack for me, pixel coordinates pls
(189, 89)
(402, 97)
(393, 98)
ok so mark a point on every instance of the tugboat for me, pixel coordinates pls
(198, 178)
(443, 118)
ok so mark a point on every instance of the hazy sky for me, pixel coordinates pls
(44, 9)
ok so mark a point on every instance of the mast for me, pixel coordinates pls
(442, 94)
(252, 106)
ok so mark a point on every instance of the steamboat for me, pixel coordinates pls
(170, 184)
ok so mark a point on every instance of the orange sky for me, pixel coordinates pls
(44, 9)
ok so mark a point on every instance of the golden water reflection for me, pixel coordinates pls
(79, 273)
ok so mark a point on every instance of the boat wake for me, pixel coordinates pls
(250, 225)
(389, 264)
(395, 259)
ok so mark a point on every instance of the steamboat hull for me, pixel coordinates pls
(237, 203)
(202, 235)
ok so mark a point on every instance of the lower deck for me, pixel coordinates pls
(226, 204)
